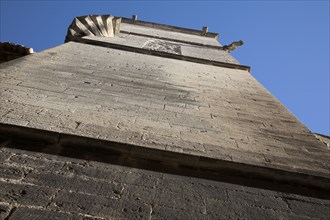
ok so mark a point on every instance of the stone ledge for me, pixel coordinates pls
(160, 160)
(171, 28)
(159, 53)
(174, 40)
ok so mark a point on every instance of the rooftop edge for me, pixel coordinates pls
(203, 32)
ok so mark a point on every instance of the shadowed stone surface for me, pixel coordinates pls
(118, 192)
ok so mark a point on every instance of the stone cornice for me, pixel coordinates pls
(160, 53)
(93, 25)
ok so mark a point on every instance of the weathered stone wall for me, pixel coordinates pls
(158, 103)
(184, 49)
(44, 186)
(158, 33)
(151, 124)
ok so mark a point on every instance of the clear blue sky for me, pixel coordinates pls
(286, 42)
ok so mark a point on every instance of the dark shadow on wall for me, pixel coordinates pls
(72, 146)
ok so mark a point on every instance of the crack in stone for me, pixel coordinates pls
(204, 205)
(78, 123)
(227, 196)
(25, 174)
(151, 211)
(286, 199)
(11, 110)
(52, 198)
(11, 213)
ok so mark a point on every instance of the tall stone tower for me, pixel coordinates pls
(132, 119)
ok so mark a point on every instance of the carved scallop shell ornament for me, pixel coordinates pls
(93, 25)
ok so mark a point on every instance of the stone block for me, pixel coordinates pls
(257, 200)
(309, 209)
(4, 210)
(39, 163)
(75, 183)
(4, 155)
(34, 213)
(115, 207)
(25, 194)
(94, 170)
(12, 172)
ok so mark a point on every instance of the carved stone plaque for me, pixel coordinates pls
(164, 46)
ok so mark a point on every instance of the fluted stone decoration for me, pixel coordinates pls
(93, 25)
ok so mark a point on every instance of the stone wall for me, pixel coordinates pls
(36, 185)
(158, 122)
(158, 103)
